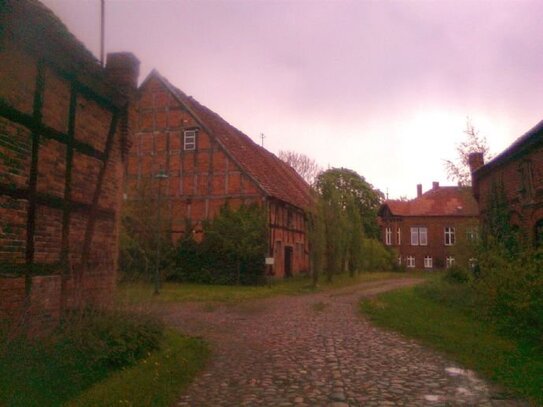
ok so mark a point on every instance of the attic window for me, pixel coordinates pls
(189, 140)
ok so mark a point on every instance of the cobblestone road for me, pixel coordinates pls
(316, 350)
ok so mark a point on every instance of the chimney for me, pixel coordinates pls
(475, 161)
(123, 69)
(419, 190)
(435, 185)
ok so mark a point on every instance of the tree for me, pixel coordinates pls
(351, 186)
(302, 164)
(459, 170)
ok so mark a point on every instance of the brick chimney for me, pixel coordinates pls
(435, 185)
(123, 69)
(419, 190)
(475, 161)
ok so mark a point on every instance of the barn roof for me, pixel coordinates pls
(439, 201)
(276, 178)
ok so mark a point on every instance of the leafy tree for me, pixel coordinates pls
(305, 166)
(458, 170)
(350, 187)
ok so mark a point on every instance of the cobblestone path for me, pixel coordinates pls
(316, 350)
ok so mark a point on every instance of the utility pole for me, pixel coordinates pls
(262, 136)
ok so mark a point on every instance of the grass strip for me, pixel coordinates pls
(137, 292)
(156, 380)
(511, 362)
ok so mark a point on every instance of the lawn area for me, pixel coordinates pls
(440, 315)
(154, 381)
(181, 292)
(59, 370)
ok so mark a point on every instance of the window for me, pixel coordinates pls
(428, 262)
(388, 236)
(449, 261)
(449, 236)
(411, 261)
(419, 236)
(472, 234)
(399, 260)
(399, 236)
(189, 140)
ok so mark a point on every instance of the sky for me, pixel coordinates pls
(380, 87)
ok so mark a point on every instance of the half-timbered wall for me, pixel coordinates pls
(61, 178)
(200, 181)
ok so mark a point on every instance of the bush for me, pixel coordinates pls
(110, 339)
(458, 275)
(510, 291)
(231, 252)
(376, 257)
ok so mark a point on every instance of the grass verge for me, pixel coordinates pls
(137, 292)
(437, 316)
(156, 380)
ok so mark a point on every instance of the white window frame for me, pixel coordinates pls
(399, 260)
(189, 140)
(428, 263)
(399, 236)
(410, 262)
(450, 236)
(449, 261)
(388, 236)
(419, 236)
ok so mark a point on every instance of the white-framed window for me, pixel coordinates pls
(449, 261)
(399, 236)
(410, 261)
(189, 139)
(419, 236)
(450, 238)
(428, 262)
(399, 260)
(388, 236)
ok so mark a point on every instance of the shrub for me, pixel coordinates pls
(458, 275)
(110, 339)
(376, 257)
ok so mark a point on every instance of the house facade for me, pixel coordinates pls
(64, 134)
(435, 230)
(518, 174)
(206, 163)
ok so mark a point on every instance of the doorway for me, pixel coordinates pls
(288, 261)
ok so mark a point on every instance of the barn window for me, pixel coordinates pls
(189, 140)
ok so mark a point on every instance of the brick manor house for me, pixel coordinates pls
(518, 172)
(207, 163)
(432, 231)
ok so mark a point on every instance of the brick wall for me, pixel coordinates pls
(62, 130)
(522, 179)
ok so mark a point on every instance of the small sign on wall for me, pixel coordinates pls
(269, 261)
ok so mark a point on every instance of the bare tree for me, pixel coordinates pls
(305, 166)
(458, 170)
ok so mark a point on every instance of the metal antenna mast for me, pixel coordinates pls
(102, 30)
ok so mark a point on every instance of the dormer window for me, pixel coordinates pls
(189, 140)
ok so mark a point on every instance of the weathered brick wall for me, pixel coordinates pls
(522, 181)
(60, 178)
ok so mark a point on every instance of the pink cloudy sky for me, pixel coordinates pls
(380, 87)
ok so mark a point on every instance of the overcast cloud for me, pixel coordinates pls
(379, 87)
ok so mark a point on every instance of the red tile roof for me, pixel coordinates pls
(441, 201)
(276, 178)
